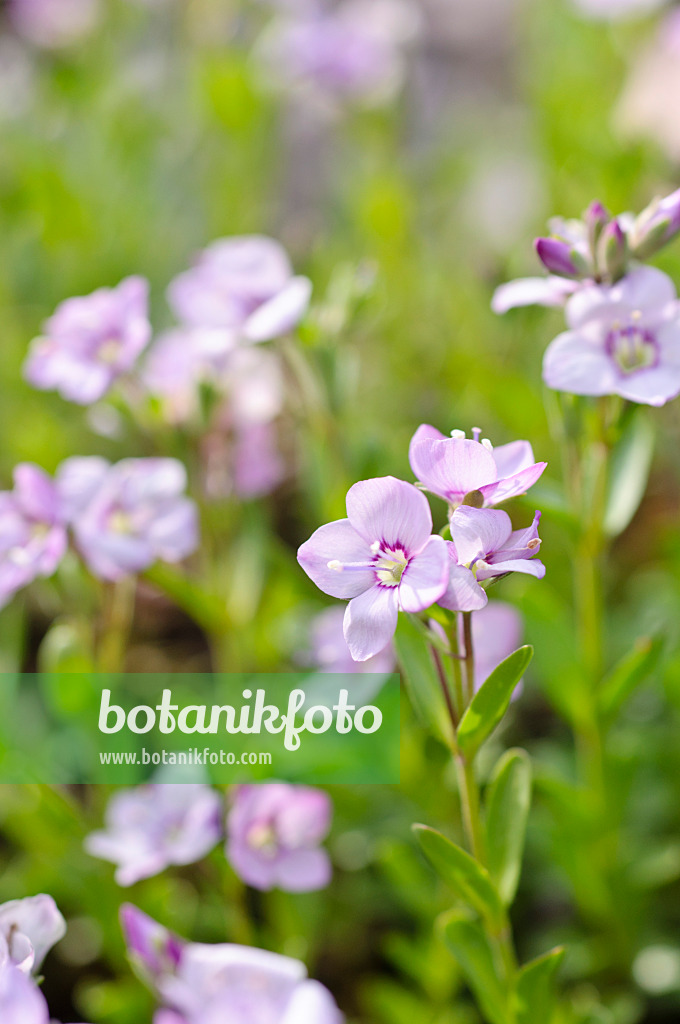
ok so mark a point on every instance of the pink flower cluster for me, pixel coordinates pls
(384, 558)
(273, 833)
(623, 318)
(122, 518)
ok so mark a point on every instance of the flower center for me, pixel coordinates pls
(120, 522)
(632, 348)
(389, 567)
(109, 351)
(262, 837)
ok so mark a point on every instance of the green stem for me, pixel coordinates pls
(469, 799)
(469, 658)
(119, 606)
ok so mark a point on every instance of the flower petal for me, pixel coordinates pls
(303, 870)
(512, 458)
(390, 511)
(651, 387)
(337, 542)
(574, 362)
(529, 566)
(512, 486)
(463, 593)
(478, 532)
(532, 291)
(453, 467)
(281, 313)
(370, 621)
(425, 577)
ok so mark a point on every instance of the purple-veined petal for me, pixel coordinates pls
(390, 511)
(532, 291)
(575, 362)
(337, 542)
(281, 313)
(453, 467)
(370, 621)
(425, 578)
(478, 532)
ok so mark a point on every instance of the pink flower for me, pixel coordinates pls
(484, 546)
(382, 558)
(127, 516)
(91, 341)
(32, 531)
(152, 827)
(453, 467)
(245, 285)
(54, 24)
(623, 339)
(28, 930)
(273, 836)
(21, 1001)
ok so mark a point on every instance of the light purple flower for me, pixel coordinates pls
(351, 52)
(180, 361)
(532, 291)
(90, 341)
(28, 930)
(382, 558)
(152, 827)
(21, 1001)
(32, 531)
(273, 836)
(623, 339)
(244, 285)
(154, 951)
(454, 467)
(54, 24)
(226, 984)
(329, 650)
(127, 516)
(485, 546)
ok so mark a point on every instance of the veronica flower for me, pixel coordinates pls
(329, 650)
(127, 516)
(456, 467)
(215, 984)
(350, 52)
(382, 558)
(152, 827)
(244, 285)
(28, 930)
(273, 836)
(32, 531)
(485, 546)
(91, 341)
(54, 24)
(623, 340)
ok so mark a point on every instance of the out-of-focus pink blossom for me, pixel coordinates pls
(28, 929)
(152, 827)
(274, 833)
(54, 24)
(90, 341)
(32, 531)
(127, 516)
(329, 650)
(244, 285)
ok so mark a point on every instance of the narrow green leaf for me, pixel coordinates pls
(420, 678)
(507, 811)
(534, 990)
(628, 674)
(468, 943)
(630, 466)
(491, 701)
(469, 880)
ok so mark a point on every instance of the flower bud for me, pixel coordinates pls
(596, 219)
(657, 225)
(612, 251)
(560, 257)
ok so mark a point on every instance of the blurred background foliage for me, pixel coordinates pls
(132, 150)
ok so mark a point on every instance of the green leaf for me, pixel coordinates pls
(469, 880)
(628, 674)
(507, 811)
(629, 472)
(421, 679)
(466, 940)
(491, 702)
(534, 990)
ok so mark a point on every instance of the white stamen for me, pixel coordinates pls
(335, 565)
(486, 443)
(458, 435)
(375, 547)
(533, 544)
